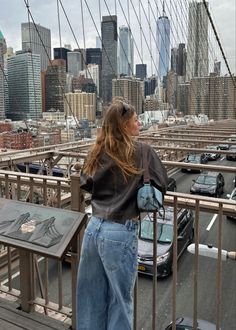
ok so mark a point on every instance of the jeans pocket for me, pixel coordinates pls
(112, 254)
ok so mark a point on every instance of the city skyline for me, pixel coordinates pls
(11, 27)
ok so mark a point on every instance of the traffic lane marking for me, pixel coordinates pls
(212, 222)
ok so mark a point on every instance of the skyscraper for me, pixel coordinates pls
(197, 45)
(125, 51)
(74, 63)
(109, 55)
(178, 60)
(24, 86)
(131, 89)
(37, 39)
(141, 71)
(163, 43)
(3, 49)
(94, 56)
(55, 85)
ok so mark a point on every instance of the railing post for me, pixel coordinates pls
(77, 197)
(26, 281)
(77, 204)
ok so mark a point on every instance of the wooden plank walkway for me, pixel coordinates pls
(11, 318)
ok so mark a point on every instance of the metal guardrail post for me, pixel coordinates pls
(26, 280)
(174, 265)
(77, 198)
(154, 280)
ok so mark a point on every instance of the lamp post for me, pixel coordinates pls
(211, 252)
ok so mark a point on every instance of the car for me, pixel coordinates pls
(171, 184)
(232, 197)
(165, 236)
(186, 323)
(223, 146)
(194, 159)
(232, 156)
(208, 183)
(213, 155)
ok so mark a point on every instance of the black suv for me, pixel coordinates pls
(165, 236)
(208, 183)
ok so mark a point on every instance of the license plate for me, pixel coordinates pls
(141, 268)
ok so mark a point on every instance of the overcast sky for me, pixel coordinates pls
(44, 12)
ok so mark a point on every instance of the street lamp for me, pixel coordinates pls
(212, 252)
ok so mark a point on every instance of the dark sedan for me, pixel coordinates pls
(194, 159)
(232, 156)
(208, 183)
(213, 153)
(186, 323)
(165, 236)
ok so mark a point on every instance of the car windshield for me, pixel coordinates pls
(164, 231)
(193, 157)
(204, 179)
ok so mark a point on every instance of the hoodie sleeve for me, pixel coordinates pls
(86, 182)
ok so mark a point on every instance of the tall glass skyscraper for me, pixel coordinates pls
(34, 36)
(109, 55)
(125, 51)
(24, 86)
(197, 46)
(3, 49)
(163, 43)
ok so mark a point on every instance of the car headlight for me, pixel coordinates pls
(163, 258)
(212, 189)
(192, 189)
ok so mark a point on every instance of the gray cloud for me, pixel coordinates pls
(13, 13)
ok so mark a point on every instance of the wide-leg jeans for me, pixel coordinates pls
(106, 276)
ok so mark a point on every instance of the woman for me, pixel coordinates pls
(112, 173)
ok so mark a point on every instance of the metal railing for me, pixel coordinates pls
(34, 290)
(36, 277)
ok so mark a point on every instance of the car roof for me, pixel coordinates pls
(202, 324)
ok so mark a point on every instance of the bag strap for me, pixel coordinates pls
(146, 176)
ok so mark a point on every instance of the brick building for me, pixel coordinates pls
(16, 140)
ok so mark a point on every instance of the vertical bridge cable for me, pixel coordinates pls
(219, 43)
(82, 16)
(140, 29)
(59, 26)
(150, 35)
(32, 66)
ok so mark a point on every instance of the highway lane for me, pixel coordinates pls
(206, 276)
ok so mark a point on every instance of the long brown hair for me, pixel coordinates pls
(115, 141)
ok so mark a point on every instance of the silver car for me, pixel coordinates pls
(232, 197)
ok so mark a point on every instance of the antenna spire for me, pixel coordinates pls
(163, 7)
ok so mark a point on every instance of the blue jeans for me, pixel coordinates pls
(106, 276)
